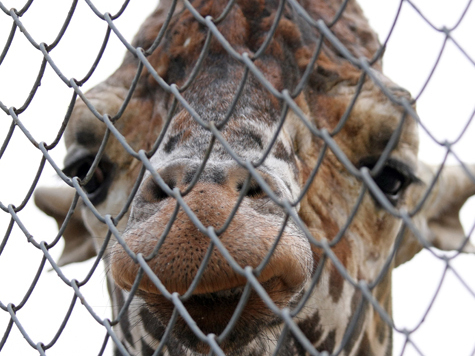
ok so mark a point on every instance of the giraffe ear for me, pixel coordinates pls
(78, 243)
(438, 220)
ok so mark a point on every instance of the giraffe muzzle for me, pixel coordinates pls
(248, 239)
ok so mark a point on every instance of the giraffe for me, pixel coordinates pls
(320, 266)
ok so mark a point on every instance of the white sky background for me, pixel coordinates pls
(445, 106)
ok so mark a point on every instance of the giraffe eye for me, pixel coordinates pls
(391, 182)
(392, 179)
(97, 187)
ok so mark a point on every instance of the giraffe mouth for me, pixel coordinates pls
(212, 313)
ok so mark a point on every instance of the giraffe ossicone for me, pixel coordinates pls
(291, 228)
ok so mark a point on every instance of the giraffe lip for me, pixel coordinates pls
(220, 302)
(226, 293)
(235, 292)
(213, 311)
(223, 303)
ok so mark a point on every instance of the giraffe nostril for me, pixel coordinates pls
(152, 192)
(253, 191)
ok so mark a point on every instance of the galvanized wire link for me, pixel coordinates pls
(113, 221)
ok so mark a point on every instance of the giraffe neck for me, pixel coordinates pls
(356, 329)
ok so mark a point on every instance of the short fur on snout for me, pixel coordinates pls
(285, 208)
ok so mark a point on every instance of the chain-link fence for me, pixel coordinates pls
(37, 97)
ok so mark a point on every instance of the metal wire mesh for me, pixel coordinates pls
(13, 308)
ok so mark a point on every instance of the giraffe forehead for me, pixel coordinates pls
(245, 27)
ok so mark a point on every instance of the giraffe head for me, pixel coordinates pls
(253, 189)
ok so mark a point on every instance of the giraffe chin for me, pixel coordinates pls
(213, 311)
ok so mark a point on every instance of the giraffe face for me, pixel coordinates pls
(249, 236)
(258, 221)
(236, 193)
